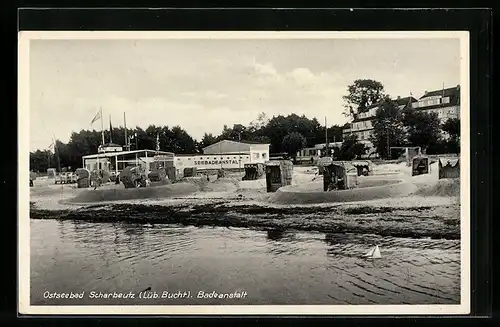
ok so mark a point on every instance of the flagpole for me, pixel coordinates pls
(127, 148)
(326, 138)
(102, 128)
(110, 131)
(57, 154)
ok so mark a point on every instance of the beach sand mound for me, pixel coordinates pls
(443, 187)
(226, 184)
(104, 195)
(312, 193)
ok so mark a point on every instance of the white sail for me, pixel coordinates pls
(373, 253)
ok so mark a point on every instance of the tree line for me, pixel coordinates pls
(392, 127)
(177, 140)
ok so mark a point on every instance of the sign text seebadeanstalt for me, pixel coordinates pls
(215, 162)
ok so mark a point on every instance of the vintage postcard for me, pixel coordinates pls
(236, 173)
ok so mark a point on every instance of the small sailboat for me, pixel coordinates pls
(374, 253)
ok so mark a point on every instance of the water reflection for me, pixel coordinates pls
(276, 234)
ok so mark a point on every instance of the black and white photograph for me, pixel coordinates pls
(244, 172)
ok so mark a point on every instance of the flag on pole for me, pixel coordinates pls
(110, 131)
(96, 117)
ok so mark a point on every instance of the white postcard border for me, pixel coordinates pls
(24, 305)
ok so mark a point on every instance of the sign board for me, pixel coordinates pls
(163, 158)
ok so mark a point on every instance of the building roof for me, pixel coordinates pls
(212, 154)
(234, 142)
(400, 102)
(405, 100)
(111, 144)
(121, 153)
(448, 92)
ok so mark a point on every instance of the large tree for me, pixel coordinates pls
(280, 126)
(293, 143)
(388, 129)
(351, 149)
(452, 129)
(422, 129)
(362, 93)
(206, 140)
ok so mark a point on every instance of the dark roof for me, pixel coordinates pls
(399, 101)
(405, 100)
(362, 119)
(449, 92)
(453, 93)
(111, 144)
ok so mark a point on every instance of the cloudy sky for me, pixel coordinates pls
(203, 84)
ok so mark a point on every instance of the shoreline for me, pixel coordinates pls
(430, 208)
(436, 222)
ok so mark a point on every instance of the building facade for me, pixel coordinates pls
(362, 125)
(117, 161)
(225, 154)
(445, 103)
(317, 151)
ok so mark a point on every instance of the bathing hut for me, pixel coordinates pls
(278, 174)
(253, 171)
(167, 163)
(339, 175)
(83, 178)
(32, 178)
(157, 175)
(189, 172)
(420, 165)
(322, 162)
(51, 173)
(132, 177)
(221, 173)
(449, 168)
(363, 167)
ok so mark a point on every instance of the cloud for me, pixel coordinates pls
(203, 84)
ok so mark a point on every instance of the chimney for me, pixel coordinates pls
(399, 98)
(458, 87)
(425, 93)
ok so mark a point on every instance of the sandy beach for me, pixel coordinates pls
(431, 209)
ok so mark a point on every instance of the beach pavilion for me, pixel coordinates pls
(116, 161)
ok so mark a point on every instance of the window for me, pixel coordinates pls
(255, 155)
(445, 100)
(189, 158)
(228, 158)
(264, 155)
